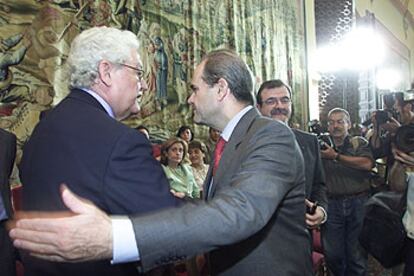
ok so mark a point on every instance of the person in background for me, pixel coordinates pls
(185, 133)
(401, 177)
(347, 163)
(213, 136)
(156, 148)
(402, 180)
(197, 151)
(179, 174)
(274, 100)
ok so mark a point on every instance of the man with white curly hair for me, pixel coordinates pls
(81, 143)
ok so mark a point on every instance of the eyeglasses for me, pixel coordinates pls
(139, 72)
(274, 100)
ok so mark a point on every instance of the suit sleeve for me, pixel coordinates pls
(134, 181)
(269, 168)
(6, 162)
(319, 189)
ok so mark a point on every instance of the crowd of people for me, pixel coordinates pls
(252, 209)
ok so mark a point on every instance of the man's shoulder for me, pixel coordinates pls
(262, 121)
(263, 127)
(80, 116)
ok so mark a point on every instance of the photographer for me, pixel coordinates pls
(403, 173)
(401, 176)
(384, 126)
(347, 162)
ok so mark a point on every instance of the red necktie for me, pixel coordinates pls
(218, 151)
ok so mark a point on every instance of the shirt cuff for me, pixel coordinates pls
(325, 215)
(124, 244)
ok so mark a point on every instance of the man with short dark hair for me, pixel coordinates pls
(347, 163)
(274, 100)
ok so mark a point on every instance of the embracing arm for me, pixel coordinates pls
(83, 234)
(242, 206)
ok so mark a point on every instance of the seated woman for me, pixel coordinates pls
(197, 151)
(178, 173)
(185, 133)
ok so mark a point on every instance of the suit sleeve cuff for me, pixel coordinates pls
(124, 242)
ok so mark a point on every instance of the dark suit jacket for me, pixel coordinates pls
(7, 156)
(253, 219)
(314, 173)
(100, 159)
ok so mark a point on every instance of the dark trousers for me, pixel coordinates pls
(7, 253)
(344, 255)
(409, 258)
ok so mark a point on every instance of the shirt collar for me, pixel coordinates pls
(228, 130)
(104, 104)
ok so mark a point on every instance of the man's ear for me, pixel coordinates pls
(104, 70)
(223, 88)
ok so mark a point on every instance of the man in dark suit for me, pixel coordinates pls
(81, 143)
(274, 100)
(252, 216)
(7, 156)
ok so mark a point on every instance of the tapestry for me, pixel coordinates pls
(35, 37)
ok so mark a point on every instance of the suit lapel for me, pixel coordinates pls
(223, 175)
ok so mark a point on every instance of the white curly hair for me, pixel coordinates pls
(94, 45)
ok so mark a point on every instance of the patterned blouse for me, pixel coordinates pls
(200, 175)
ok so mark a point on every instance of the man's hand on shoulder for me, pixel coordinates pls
(85, 234)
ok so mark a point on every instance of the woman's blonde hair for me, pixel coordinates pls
(168, 144)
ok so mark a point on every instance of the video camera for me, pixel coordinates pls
(383, 116)
(324, 139)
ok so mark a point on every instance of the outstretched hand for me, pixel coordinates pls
(83, 234)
